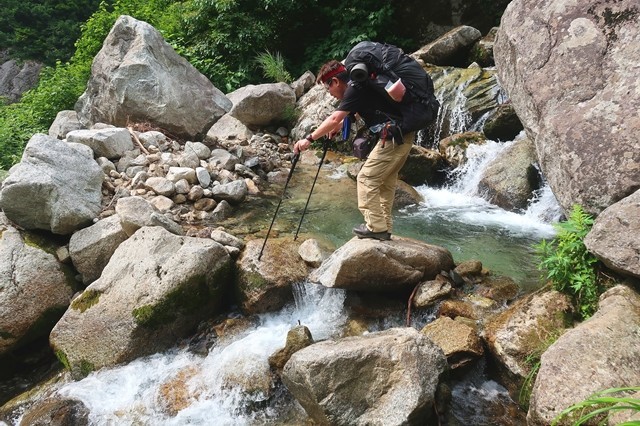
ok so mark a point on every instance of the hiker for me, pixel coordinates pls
(376, 181)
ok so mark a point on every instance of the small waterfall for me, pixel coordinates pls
(232, 385)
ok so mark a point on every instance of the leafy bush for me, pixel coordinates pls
(570, 267)
(600, 404)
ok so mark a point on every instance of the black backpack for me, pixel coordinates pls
(375, 64)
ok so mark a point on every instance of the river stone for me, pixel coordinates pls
(569, 69)
(264, 285)
(311, 252)
(503, 124)
(459, 342)
(233, 192)
(135, 212)
(614, 236)
(56, 411)
(111, 143)
(228, 128)
(388, 377)
(510, 179)
(372, 265)
(91, 248)
(156, 287)
(54, 187)
(430, 291)
(138, 77)
(423, 166)
(525, 328)
(34, 290)
(599, 353)
(298, 337)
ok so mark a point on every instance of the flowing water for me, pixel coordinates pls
(231, 385)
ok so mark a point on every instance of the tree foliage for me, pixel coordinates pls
(45, 30)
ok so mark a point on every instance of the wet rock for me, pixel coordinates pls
(510, 179)
(298, 337)
(175, 394)
(371, 265)
(454, 148)
(311, 252)
(429, 292)
(388, 377)
(265, 285)
(459, 342)
(499, 288)
(423, 166)
(503, 125)
(56, 411)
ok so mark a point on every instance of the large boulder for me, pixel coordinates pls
(568, 68)
(54, 187)
(614, 236)
(156, 288)
(228, 128)
(386, 378)
(510, 179)
(263, 104)
(459, 341)
(138, 77)
(372, 265)
(423, 166)
(596, 355)
(65, 122)
(35, 288)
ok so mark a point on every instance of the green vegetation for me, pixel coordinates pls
(87, 299)
(570, 267)
(532, 361)
(273, 67)
(600, 405)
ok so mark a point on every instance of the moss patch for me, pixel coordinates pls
(62, 357)
(189, 298)
(86, 300)
(86, 367)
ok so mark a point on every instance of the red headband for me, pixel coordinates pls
(328, 76)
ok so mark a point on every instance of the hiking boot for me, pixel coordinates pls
(362, 231)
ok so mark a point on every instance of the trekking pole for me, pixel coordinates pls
(325, 147)
(294, 161)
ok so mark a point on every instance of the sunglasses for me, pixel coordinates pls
(327, 84)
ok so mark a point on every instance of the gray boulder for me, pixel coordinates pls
(304, 83)
(233, 192)
(371, 265)
(261, 105)
(510, 179)
(54, 187)
(92, 247)
(65, 122)
(614, 236)
(566, 68)
(111, 142)
(228, 128)
(35, 288)
(138, 77)
(598, 354)
(384, 378)
(156, 288)
(451, 48)
(136, 212)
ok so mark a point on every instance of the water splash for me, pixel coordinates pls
(232, 384)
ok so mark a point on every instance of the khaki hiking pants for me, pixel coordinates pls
(377, 182)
